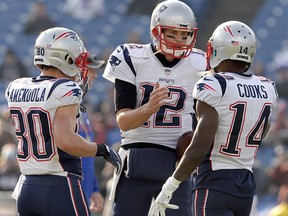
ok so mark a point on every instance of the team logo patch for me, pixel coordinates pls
(228, 30)
(204, 86)
(68, 34)
(162, 8)
(114, 61)
(74, 92)
(167, 72)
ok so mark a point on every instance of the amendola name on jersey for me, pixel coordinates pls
(138, 65)
(242, 117)
(33, 103)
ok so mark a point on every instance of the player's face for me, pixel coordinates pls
(175, 36)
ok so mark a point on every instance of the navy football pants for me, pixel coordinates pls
(50, 195)
(211, 203)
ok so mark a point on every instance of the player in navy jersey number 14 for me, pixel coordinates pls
(45, 114)
(233, 109)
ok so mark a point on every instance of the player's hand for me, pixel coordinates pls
(157, 98)
(97, 202)
(110, 156)
(113, 158)
(159, 206)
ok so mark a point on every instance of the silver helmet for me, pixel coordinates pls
(232, 40)
(63, 49)
(175, 15)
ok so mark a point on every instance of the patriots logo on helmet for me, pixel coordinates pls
(74, 92)
(68, 34)
(203, 86)
(114, 61)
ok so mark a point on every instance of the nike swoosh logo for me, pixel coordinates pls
(72, 85)
(206, 79)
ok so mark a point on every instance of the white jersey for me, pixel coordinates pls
(244, 104)
(32, 103)
(137, 64)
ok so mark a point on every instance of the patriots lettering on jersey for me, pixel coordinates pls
(203, 86)
(168, 81)
(114, 61)
(27, 95)
(74, 92)
(252, 91)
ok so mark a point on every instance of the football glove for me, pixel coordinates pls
(159, 206)
(110, 156)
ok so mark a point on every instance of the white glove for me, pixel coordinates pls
(159, 206)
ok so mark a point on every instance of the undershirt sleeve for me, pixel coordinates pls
(125, 95)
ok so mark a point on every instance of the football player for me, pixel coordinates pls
(233, 109)
(154, 106)
(45, 112)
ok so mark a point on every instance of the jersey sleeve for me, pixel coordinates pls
(276, 96)
(199, 59)
(120, 66)
(64, 92)
(210, 89)
(7, 93)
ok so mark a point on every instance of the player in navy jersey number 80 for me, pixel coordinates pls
(45, 114)
(154, 106)
(233, 109)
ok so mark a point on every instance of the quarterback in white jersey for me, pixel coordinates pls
(137, 64)
(154, 106)
(233, 109)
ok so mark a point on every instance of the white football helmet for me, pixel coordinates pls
(231, 40)
(63, 49)
(175, 15)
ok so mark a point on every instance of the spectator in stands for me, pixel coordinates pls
(38, 20)
(278, 132)
(134, 37)
(9, 169)
(280, 176)
(7, 135)
(84, 9)
(11, 67)
(280, 69)
(90, 183)
(141, 7)
(107, 179)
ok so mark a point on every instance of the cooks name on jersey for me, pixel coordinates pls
(27, 95)
(252, 91)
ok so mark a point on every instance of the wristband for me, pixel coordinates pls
(174, 182)
(101, 150)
